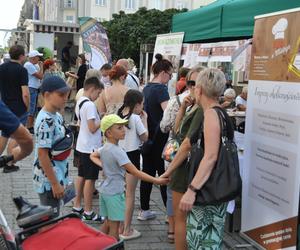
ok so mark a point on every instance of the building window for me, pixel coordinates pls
(156, 4)
(68, 3)
(129, 4)
(101, 2)
(70, 19)
(180, 5)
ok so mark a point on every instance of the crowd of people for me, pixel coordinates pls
(123, 129)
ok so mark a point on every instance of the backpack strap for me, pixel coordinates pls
(80, 106)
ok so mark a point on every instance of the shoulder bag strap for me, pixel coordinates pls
(223, 123)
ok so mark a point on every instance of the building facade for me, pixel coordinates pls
(67, 11)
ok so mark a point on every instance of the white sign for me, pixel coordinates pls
(169, 45)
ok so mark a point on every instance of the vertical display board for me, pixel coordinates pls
(272, 139)
(169, 45)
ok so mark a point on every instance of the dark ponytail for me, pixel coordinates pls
(131, 98)
(161, 65)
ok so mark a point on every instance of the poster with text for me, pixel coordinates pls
(271, 170)
(169, 45)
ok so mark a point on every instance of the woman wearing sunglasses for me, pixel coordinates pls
(189, 117)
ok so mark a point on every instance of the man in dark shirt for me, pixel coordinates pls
(66, 57)
(14, 91)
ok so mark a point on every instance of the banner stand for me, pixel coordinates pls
(271, 169)
(251, 241)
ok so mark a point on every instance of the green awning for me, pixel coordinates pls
(226, 19)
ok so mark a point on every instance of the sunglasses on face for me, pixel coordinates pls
(191, 83)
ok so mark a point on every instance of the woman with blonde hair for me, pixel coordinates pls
(202, 219)
(185, 119)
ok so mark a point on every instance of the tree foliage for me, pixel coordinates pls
(126, 32)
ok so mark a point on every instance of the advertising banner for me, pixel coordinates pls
(169, 45)
(271, 169)
(95, 42)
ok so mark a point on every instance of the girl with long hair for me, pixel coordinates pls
(136, 133)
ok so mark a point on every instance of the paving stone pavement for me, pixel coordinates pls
(154, 232)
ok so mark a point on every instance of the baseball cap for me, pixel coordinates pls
(54, 83)
(34, 53)
(110, 120)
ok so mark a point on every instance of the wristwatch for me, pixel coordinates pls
(191, 187)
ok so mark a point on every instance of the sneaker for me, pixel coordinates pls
(9, 169)
(76, 211)
(92, 217)
(146, 215)
(134, 234)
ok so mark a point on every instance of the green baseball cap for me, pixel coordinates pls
(110, 120)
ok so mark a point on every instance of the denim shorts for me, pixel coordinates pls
(113, 206)
(33, 100)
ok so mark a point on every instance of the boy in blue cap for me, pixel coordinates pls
(50, 175)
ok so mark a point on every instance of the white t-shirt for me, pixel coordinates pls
(240, 101)
(132, 140)
(87, 141)
(33, 82)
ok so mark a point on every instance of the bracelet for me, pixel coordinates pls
(192, 188)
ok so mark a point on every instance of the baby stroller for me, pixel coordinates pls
(43, 232)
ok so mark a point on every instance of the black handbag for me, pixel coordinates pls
(224, 183)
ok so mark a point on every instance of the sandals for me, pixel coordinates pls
(171, 237)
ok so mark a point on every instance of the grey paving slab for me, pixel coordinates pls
(154, 232)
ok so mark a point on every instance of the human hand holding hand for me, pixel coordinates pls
(187, 201)
(166, 174)
(161, 181)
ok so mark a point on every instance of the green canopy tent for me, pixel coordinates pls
(226, 20)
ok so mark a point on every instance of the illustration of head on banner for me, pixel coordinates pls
(95, 42)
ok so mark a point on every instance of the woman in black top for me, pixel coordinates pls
(156, 99)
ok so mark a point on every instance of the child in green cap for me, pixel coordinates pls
(115, 162)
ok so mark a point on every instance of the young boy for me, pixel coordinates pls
(50, 176)
(115, 163)
(89, 139)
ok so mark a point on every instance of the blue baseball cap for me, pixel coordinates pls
(54, 83)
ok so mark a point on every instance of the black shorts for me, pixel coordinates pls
(87, 169)
(135, 158)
